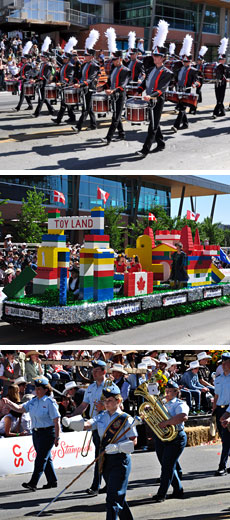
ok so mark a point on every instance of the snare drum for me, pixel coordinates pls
(189, 100)
(29, 89)
(71, 96)
(209, 71)
(100, 103)
(11, 86)
(136, 110)
(51, 92)
(132, 90)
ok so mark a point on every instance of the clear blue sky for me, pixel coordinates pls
(204, 204)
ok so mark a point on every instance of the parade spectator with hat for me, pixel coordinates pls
(44, 414)
(21, 382)
(204, 373)
(120, 380)
(191, 381)
(33, 368)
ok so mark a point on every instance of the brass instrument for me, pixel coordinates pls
(154, 412)
(108, 382)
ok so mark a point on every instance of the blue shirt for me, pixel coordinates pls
(222, 389)
(93, 395)
(175, 407)
(42, 411)
(191, 381)
(102, 421)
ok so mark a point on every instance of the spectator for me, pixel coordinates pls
(191, 381)
(33, 369)
(9, 370)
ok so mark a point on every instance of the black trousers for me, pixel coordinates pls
(87, 111)
(182, 117)
(41, 101)
(62, 110)
(154, 129)
(22, 96)
(118, 105)
(219, 109)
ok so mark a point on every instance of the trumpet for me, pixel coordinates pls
(84, 452)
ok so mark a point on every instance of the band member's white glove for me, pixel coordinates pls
(137, 421)
(122, 447)
(74, 423)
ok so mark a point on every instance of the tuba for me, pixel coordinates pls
(154, 412)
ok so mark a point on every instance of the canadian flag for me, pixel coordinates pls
(192, 216)
(152, 217)
(102, 195)
(59, 197)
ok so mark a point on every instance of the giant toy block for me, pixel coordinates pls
(15, 289)
(138, 284)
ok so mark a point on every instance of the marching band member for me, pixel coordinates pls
(186, 78)
(92, 399)
(136, 66)
(115, 87)
(87, 84)
(158, 78)
(44, 77)
(221, 82)
(200, 76)
(66, 78)
(168, 453)
(116, 462)
(24, 74)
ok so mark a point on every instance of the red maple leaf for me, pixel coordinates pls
(141, 284)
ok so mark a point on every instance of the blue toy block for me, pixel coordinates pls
(63, 286)
(103, 294)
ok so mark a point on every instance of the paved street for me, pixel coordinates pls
(206, 496)
(37, 144)
(202, 328)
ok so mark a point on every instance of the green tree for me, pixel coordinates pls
(227, 237)
(113, 222)
(211, 231)
(5, 201)
(32, 218)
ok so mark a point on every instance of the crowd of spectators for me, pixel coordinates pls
(18, 369)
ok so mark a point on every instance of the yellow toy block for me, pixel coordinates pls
(198, 271)
(48, 256)
(164, 247)
(144, 251)
(56, 232)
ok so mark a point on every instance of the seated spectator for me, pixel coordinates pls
(9, 370)
(9, 275)
(73, 285)
(57, 371)
(119, 374)
(204, 373)
(190, 380)
(21, 382)
(176, 377)
(33, 369)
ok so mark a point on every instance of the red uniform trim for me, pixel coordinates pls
(186, 77)
(64, 74)
(117, 80)
(157, 80)
(133, 71)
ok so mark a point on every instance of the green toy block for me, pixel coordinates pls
(12, 289)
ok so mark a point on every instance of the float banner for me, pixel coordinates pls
(83, 223)
(18, 453)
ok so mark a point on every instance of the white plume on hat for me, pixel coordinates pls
(172, 47)
(26, 48)
(223, 46)
(162, 31)
(203, 50)
(92, 39)
(70, 44)
(46, 44)
(140, 46)
(110, 34)
(187, 45)
(131, 40)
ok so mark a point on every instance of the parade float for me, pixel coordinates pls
(108, 300)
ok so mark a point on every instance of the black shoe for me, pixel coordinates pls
(119, 138)
(159, 148)
(29, 486)
(75, 129)
(50, 486)
(70, 121)
(53, 113)
(35, 115)
(158, 498)
(16, 109)
(92, 492)
(220, 473)
(103, 490)
(105, 141)
(30, 107)
(55, 121)
(90, 128)
(177, 494)
(184, 127)
(141, 154)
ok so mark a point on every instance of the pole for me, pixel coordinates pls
(84, 470)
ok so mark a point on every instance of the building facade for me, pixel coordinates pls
(207, 23)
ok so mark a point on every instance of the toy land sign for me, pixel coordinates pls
(64, 223)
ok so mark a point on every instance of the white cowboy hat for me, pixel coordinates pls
(118, 368)
(173, 361)
(69, 386)
(203, 355)
(192, 365)
(148, 361)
